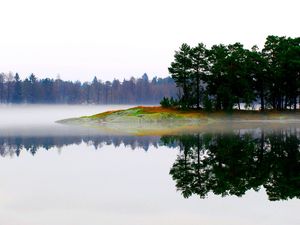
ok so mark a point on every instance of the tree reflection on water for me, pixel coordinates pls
(224, 163)
(233, 163)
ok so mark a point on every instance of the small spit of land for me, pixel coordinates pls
(159, 120)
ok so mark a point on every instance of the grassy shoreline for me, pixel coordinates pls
(156, 120)
(176, 117)
(157, 114)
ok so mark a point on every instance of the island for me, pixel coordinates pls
(157, 120)
(224, 85)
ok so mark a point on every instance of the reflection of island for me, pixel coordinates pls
(224, 163)
(13, 145)
(232, 163)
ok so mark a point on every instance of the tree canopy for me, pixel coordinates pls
(224, 77)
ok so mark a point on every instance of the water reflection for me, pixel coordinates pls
(14, 145)
(233, 163)
(224, 163)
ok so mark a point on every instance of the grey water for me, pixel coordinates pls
(55, 174)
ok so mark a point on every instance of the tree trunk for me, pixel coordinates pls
(262, 144)
(218, 103)
(198, 92)
(262, 102)
(198, 160)
(286, 102)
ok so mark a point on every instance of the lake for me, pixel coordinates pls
(66, 175)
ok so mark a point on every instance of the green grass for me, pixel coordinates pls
(157, 121)
(157, 114)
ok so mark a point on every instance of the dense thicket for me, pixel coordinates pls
(132, 91)
(225, 76)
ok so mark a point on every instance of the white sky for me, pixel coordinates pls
(124, 38)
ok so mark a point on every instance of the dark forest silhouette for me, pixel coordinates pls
(233, 163)
(133, 91)
(225, 76)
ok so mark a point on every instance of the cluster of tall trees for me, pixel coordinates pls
(224, 76)
(132, 91)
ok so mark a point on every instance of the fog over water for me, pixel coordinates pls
(56, 174)
(46, 115)
(40, 119)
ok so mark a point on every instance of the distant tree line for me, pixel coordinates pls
(133, 91)
(225, 76)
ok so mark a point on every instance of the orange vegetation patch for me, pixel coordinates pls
(107, 113)
(194, 113)
(159, 109)
(156, 109)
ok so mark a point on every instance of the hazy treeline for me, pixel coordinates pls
(225, 76)
(132, 91)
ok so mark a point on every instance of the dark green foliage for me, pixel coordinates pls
(259, 69)
(180, 70)
(225, 77)
(207, 103)
(168, 102)
(199, 68)
(165, 102)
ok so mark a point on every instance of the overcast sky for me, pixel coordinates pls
(122, 38)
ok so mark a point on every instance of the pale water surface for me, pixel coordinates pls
(53, 174)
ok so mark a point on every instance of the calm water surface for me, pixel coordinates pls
(53, 174)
